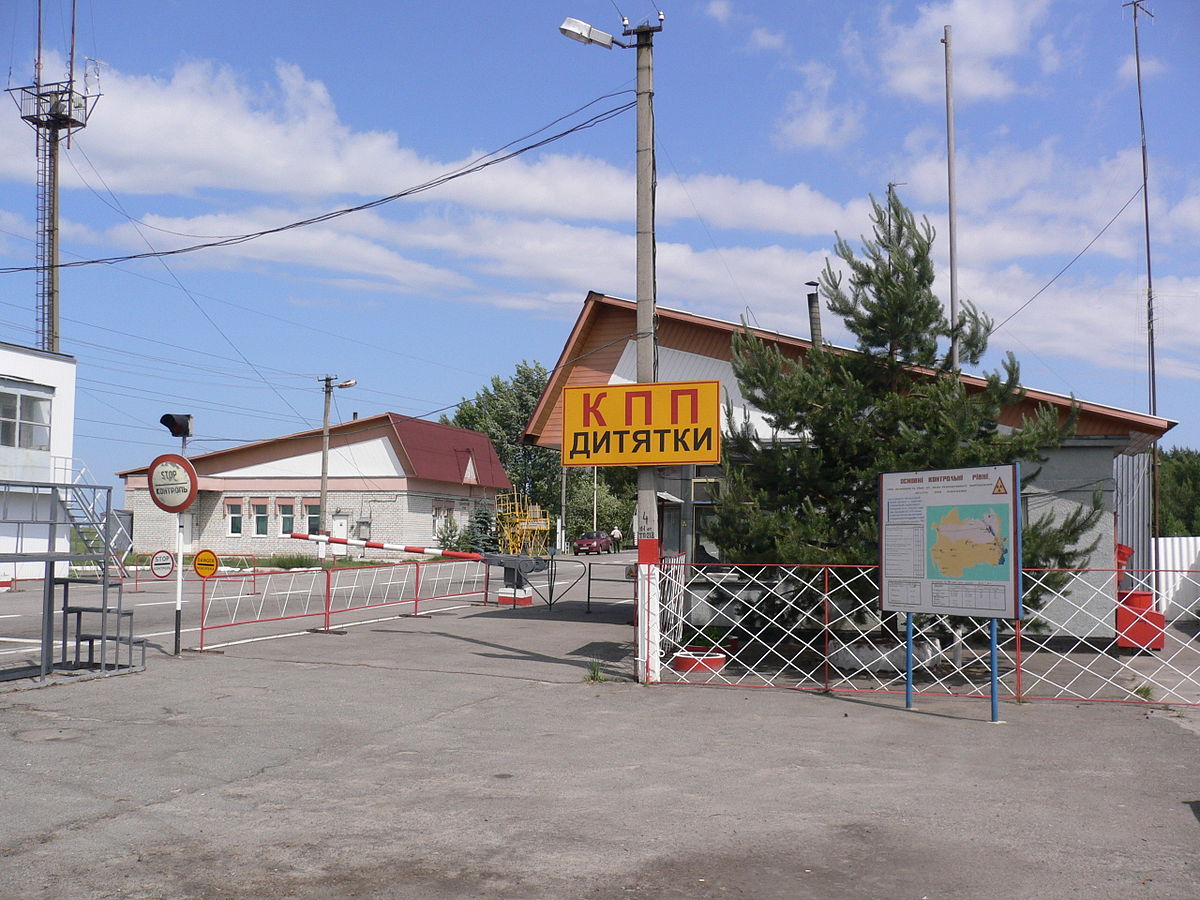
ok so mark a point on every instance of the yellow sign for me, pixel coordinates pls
(661, 424)
(205, 563)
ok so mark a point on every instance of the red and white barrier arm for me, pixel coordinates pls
(380, 545)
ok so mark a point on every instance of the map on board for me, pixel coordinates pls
(969, 541)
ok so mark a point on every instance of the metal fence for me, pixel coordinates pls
(321, 598)
(1108, 635)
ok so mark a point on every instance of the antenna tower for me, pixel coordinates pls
(54, 110)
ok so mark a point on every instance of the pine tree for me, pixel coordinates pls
(1179, 492)
(807, 493)
(481, 530)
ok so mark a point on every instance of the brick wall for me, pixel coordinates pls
(404, 517)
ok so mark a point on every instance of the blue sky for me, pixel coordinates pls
(775, 119)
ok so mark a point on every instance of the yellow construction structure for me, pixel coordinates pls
(521, 525)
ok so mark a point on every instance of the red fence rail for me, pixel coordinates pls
(320, 595)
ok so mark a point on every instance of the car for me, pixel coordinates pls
(592, 542)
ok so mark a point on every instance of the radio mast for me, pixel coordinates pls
(54, 109)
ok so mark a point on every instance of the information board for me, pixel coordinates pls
(950, 542)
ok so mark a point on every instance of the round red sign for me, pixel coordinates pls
(173, 483)
(162, 564)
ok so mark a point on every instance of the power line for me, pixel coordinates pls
(478, 165)
(1060, 272)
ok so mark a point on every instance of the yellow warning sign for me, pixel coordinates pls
(206, 563)
(999, 488)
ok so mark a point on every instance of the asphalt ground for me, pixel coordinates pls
(465, 754)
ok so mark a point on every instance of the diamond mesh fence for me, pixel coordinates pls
(1102, 635)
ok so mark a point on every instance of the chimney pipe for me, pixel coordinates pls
(814, 314)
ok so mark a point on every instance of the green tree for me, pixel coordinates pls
(614, 507)
(481, 530)
(1179, 492)
(450, 537)
(501, 410)
(807, 493)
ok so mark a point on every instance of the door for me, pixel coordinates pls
(189, 532)
(339, 528)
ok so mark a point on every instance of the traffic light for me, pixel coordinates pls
(180, 426)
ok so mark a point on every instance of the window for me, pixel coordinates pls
(24, 421)
(705, 490)
(258, 509)
(313, 512)
(233, 512)
(287, 518)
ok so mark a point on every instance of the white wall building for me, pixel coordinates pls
(37, 442)
(391, 478)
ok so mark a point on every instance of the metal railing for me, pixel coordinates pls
(318, 596)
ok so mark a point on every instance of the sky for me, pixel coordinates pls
(776, 121)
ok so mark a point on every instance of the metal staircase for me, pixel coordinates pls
(94, 527)
(67, 530)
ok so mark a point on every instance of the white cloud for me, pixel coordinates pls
(984, 35)
(1050, 58)
(812, 120)
(1150, 67)
(765, 39)
(721, 10)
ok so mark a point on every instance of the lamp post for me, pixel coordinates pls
(328, 385)
(647, 367)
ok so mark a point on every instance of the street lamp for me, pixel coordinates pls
(328, 384)
(647, 368)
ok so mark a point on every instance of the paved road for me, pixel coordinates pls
(463, 754)
(153, 603)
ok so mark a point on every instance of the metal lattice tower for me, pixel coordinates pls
(521, 525)
(54, 110)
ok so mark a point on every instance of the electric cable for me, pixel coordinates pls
(485, 161)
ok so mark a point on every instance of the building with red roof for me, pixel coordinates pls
(391, 478)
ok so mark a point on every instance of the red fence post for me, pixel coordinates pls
(417, 589)
(825, 615)
(1017, 640)
(328, 595)
(487, 574)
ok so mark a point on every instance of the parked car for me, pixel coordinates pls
(593, 542)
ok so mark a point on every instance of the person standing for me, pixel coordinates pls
(616, 538)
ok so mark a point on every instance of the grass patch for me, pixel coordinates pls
(1144, 691)
(595, 672)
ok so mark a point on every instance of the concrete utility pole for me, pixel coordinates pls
(647, 315)
(323, 518)
(647, 312)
